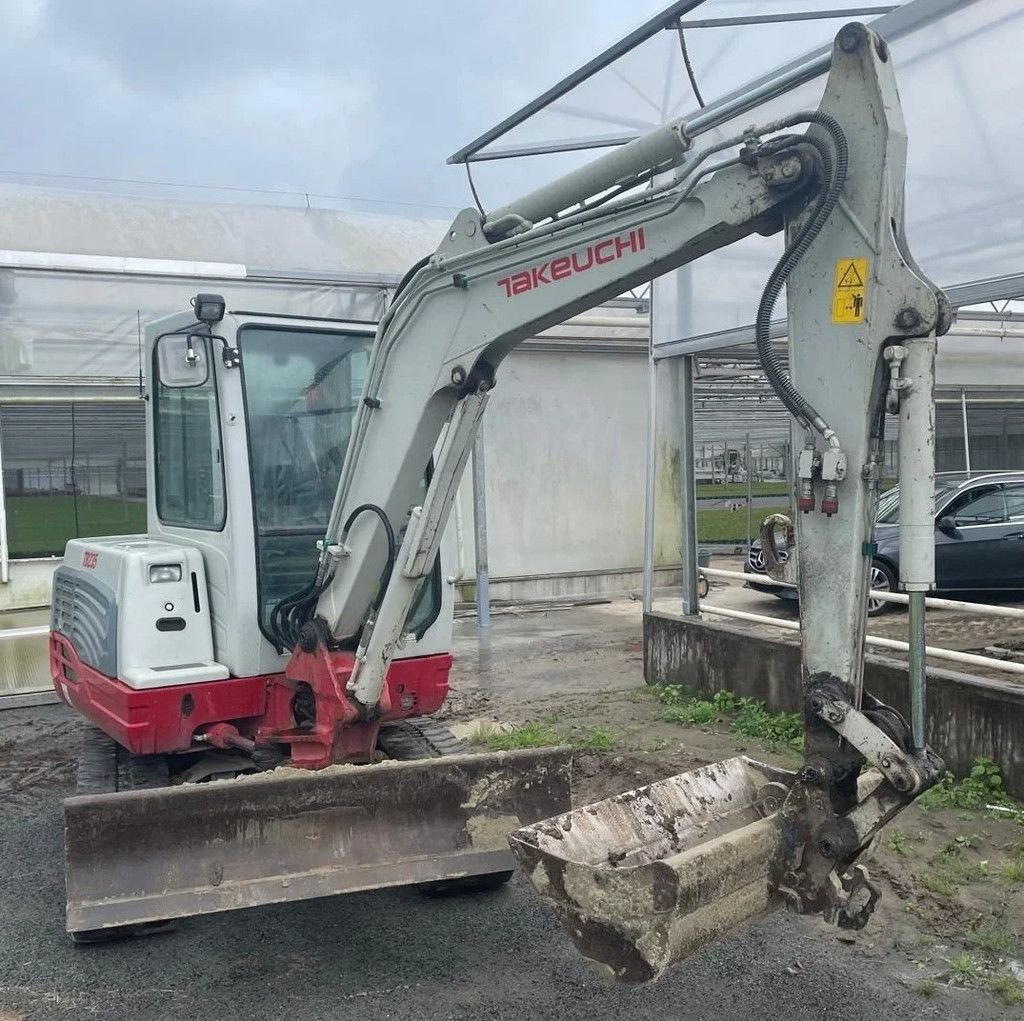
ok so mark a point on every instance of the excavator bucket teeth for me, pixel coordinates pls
(144, 856)
(645, 878)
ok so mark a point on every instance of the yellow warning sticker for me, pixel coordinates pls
(850, 294)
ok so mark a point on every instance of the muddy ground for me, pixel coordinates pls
(951, 920)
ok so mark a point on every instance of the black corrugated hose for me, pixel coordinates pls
(835, 165)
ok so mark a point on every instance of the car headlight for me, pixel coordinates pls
(164, 572)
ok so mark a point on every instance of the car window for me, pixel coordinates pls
(979, 507)
(1014, 503)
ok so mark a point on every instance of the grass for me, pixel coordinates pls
(928, 987)
(963, 968)
(992, 938)
(724, 490)
(41, 525)
(731, 526)
(538, 734)
(598, 740)
(1006, 989)
(746, 717)
(529, 735)
(1012, 871)
(938, 884)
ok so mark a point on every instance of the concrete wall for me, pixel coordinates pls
(29, 584)
(967, 716)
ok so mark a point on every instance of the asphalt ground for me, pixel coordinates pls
(396, 954)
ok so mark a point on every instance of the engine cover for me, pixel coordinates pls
(136, 609)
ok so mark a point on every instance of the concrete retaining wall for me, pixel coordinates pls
(967, 716)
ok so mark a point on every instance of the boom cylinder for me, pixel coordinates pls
(657, 151)
(917, 509)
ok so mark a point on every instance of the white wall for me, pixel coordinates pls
(565, 439)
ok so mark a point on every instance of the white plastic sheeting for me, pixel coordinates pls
(62, 327)
(960, 78)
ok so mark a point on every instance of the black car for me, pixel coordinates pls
(979, 538)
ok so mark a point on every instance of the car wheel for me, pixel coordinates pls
(882, 580)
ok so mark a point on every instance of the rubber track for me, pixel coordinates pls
(104, 767)
(97, 764)
(421, 738)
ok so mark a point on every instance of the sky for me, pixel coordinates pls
(332, 97)
(345, 97)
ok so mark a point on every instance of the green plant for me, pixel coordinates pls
(1006, 988)
(694, 714)
(673, 694)
(1012, 871)
(982, 786)
(898, 843)
(963, 968)
(529, 735)
(659, 744)
(750, 718)
(928, 987)
(936, 883)
(598, 740)
(753, 720)
(991, 937)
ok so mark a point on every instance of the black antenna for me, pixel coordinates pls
(138, 323)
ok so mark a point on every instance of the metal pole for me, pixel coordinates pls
(483, 587)
(967, 440)
(5, 552)
(750, 493)
(916, 668)
(651, 480)
(687, 488)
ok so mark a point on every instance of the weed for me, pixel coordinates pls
(753, 720)
(898, 843)
(1012, 871)
(659, 744)
(928, 987)
(982, 786)
(749, 716)
(529, 735)
(673, 694)
(963, 969)
(598, 740)
(1007, 989)
(992, 938)
(693, 714)
(935, 883)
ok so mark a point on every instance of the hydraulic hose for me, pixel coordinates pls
(293, 612)
(835, 164)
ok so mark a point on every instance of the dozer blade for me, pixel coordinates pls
(149, 855)
(645, 878)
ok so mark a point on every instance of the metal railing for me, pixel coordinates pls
(953, 656)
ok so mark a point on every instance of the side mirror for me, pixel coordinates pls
(183, 360)
(947, 525)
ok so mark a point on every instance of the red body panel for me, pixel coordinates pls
(165, 720)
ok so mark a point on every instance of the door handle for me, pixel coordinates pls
(1015, 535)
